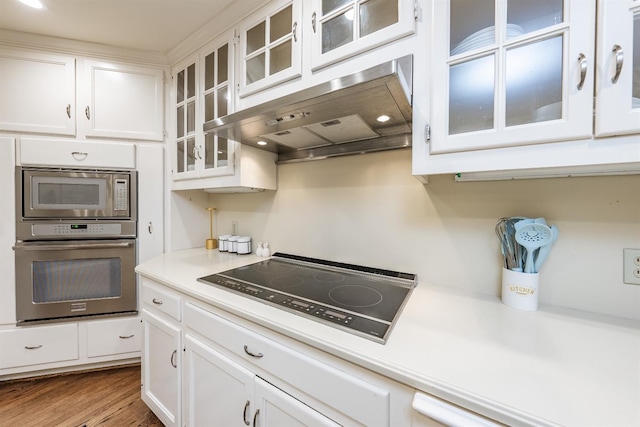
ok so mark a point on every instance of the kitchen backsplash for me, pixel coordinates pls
(369, 210)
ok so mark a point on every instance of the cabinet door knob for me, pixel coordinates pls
(256, 355)
(244, 413)
(582, 61)
(619, 53)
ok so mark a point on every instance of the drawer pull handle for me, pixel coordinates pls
(313, 22)
(79, 155)
(173, 358)
(69, 110)
(256, 355)
(294, 30)
(244, 413)
(87, 113)
(126, 337)
(156, 301)
(619, 53)
(35, 347)
(255, 418)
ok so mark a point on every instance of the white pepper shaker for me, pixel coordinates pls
(266, 252)
(259, 250)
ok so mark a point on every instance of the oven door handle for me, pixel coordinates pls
(66, 247)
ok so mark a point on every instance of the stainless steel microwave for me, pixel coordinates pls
(75, 194)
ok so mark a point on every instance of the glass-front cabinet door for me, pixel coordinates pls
(217, 101)
(618, 79)
(270, 47)
(344, 28)
(185, 116)
(511, 72)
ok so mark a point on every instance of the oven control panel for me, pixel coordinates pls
(373, 329)
(76, 230)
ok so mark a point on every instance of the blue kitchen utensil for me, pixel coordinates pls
(532, 236)
(544, 251)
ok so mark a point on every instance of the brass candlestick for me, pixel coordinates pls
(211, 242)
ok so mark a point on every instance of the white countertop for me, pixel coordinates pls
(549, 367)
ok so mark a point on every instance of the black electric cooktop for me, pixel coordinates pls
(362, 300)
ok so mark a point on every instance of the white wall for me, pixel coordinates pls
(369, 210)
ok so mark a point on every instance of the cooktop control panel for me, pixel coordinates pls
(371, 328)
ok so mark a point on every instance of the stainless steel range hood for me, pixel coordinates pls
(336, 118)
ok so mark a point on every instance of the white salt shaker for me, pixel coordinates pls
(259, 250)
(266, 252)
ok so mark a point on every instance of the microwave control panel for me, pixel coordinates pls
(121, 196)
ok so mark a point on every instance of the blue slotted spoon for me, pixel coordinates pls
(532, 237)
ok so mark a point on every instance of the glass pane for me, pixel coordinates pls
(180, 87)
(223, 152)
(209, 105)
(191, 117)
(471, 95)
(280, 58)
(329, 5)
(280, 24)
(337, 31)
(222, 101)
(635, 83)
(73, 280)
(376, 15)
(472, 24)
(525, 16)
(209, 69)
(209, 151)
(191, 81)
(255, 68)
(191, 158)
(255, 38)
(534, 82)
(180, 157)
(223, 64)
(180, 121)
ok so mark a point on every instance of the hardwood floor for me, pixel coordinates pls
(109, 397)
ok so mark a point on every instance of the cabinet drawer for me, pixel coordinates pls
(362, 401)
(51, 152)
(108, 337)
(160, 299)
(36, 345)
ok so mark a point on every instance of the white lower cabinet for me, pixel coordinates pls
(160, 369)
(110, 337)
(218, 391)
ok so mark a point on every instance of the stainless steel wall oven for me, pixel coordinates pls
(75, 252)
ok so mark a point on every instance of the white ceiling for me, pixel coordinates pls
(152, 25)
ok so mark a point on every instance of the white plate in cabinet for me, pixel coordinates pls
(115, 336)
(161, 300)
(353, 397)
(75, 154)
(38, 344)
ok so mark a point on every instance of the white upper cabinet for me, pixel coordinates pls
(123, 101)
(511, 72)
(618, 71)
(37, 92)
(344, 28)
(270, 47)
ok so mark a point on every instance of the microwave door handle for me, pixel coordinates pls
(40, 247)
